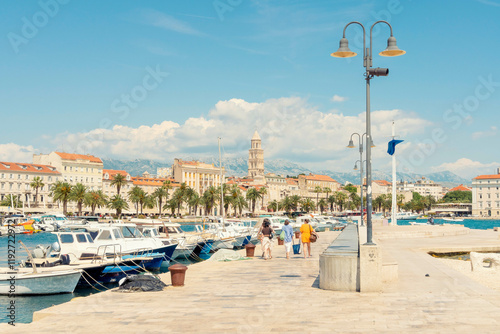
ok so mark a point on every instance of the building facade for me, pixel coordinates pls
(486, 195)
(74, 168)
(256, 159)
(16, 179)
(110, 190)
(197, 175)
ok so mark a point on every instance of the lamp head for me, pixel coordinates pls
(343, 51)
(351, 144)
(372, 144)
(355, 166)
(392, 49)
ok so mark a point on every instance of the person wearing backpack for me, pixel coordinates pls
(288, 237)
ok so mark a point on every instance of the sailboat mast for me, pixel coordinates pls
(221, 184)
(394, 200)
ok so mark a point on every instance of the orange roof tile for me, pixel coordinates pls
(460, 188)
(291, 181)
(316, 177)
(382, 183)
(486, 177)
(29, 168)
(72, 156)
(112, 172)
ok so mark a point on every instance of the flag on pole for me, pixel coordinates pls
(392, 146)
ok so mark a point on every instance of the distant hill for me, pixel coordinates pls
(239, 167)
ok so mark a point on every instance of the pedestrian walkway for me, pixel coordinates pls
(257, 296)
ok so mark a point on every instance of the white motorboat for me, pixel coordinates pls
(24, 281)
(407, 215)
(453, 219)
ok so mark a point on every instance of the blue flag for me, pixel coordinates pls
(392, 146)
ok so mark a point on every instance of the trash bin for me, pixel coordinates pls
(250, 248)
(281, 242)
(177, 273)
(297, 234)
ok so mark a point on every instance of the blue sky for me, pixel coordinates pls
(77, 76)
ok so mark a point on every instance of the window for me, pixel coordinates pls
(89, 238)
(10, 186)
(66, 238)
(50, 178)
(27, 177)
(3, 175)
(81, 238)
(18, 176)
(65, 168)
(105, 235)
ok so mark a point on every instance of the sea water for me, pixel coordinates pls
(477, 224)
(26, 305)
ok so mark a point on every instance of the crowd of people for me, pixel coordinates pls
(266, 234)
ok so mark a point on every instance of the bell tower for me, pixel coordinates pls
(256, 158)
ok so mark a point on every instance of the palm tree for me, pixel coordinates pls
(77, 194)
(400, 198)
(332, 200)
(327, 190)
(263, 191)
(253, 195)
(341, 198)
(318, 190)
(170, 205)
(61, 191)
(119, 181)
(95, 198)
(286, 204)
(178, 198)
(11, 199)
(307, 204)
(355, 199)
(135, 195)
(35, 184)
(159, 194)
(209, 199)
(295, 199)
(273, 205)
(188, 194)
(241, 203)
(119, 204)
(194, 201)
(322, 204)
(167, 184)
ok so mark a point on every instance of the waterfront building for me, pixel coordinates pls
(423, 186)
(460, 188)
(16, 177)
(110, 190)
(197, 175)
(486, 195)
(256, 159)
(310, 182)
(74, 168)
(164, 172)
(277, 187)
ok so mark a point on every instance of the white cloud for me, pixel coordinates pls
(16, 153)
(290, 128)
(481, 134)
(468, 168)
(162, 20)
(338, 98)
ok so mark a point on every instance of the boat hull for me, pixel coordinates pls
(44, 283)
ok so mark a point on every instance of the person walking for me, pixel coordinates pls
(265, 238)
(288, 229)
(305, 234)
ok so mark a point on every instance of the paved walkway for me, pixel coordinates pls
(279, 295)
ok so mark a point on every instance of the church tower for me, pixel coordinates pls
(256, 158)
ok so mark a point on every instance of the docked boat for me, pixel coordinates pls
(26, 281)
(407, 215)
(453, 219)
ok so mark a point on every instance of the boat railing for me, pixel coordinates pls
(146, 251)
(106, 249)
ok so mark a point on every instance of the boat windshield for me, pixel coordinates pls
(130, 232)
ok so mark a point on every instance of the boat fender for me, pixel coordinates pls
(65, 259)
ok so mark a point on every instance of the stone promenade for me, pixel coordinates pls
(279, 295)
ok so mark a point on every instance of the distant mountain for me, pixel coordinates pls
(135, 167)
(239, 167)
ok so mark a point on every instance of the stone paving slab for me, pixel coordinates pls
(279, 295)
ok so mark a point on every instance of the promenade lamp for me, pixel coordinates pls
(392, 50)
(351, 145)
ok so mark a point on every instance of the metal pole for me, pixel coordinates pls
(368, 159)
(221, 185)
(361, 177)
(394, 199)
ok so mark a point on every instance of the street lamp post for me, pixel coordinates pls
(391, 51)
(351, 145)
